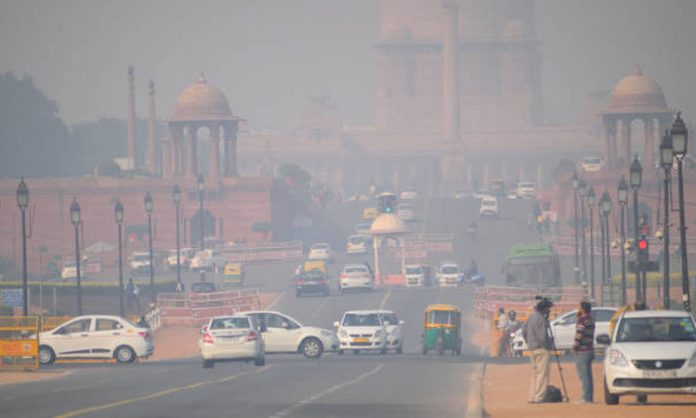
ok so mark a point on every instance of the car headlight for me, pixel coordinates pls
(343, 334)
(692, 362)
(616, 358)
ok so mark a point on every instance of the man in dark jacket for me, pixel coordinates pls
(584, 350)
(539, 342)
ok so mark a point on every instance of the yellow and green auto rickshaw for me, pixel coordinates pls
(442, 329)
(234, 274)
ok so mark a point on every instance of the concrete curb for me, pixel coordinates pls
(475, 403)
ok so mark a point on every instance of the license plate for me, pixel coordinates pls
(361, 340)
(652, 374)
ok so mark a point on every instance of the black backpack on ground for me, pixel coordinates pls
(553, 394)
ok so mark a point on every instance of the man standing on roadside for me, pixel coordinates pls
(539, 342)
(584, 350)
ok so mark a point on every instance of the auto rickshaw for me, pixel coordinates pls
(442, 329)
(315, 265)
(234, 274)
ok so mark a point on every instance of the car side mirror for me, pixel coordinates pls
(336, 325)
(603, 339)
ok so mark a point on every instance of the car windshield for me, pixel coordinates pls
(526, 185)
(355, 269)
(70, 263)
(230, 323)
(205, 287)
(450, 270)
(142, 257)
(488, 203)
(656, 329)
(362, 227)
(442, 317)
(389, 319)
(356, 240)
(361, 320)
(320, 247)
(413, 270)
(591, 160)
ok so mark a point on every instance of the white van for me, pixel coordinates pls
(489, 207)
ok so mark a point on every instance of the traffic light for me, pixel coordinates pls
(643, 252)
(387, 202)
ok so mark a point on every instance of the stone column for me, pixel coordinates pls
(612, 145)
(649, 151)
(192, 157)
(214, 162)
(166, 160)
(150, 155)
(131, 117)
(450, 75)
(230, 133)
(625, 141)
(607, 142)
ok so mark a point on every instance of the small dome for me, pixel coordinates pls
(388, 224)
(201, 102)
(514, 29)
(637, 93)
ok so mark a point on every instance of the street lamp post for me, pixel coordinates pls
(176, 197)
(680, 136)
(75, 218)
(590, 201)
(200, 184)
(23, 204)
(575, 182)
(582, 193)
(666, 161)
(623, 199)
(148, 209)
(602, 241)
(118, 217)
(605, 210)
(636, 179)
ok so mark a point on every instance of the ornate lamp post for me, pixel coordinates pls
(176, 198)
(575, 182)
(666, 161)
(680, 136)
(636, 179)
(200, 184)
(23, 204)
(148, 209)
(605, 210)
(76, 219)
(623, 199)
(590, 201)
(582, 193)
(118, 217)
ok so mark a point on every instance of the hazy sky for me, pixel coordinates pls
(269, 55)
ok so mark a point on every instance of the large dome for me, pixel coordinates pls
(388, 224)
(201, 102)
(637, 93)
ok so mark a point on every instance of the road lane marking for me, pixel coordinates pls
(318, 310)
(385, 298)
(289, 410)
(275, 301)
(156, 395)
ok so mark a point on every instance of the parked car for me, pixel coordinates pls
(449, 274)
(283, 334)
(313, 281)
(357, 244)
(651, 352)
(405, 212)
(98, 337)
(355, 276)
(320, 251)
(139, 262)
(526, 190)
(362, 330)
(185, 255)
(207, 260)
(415, 276)
(591, 164)
(231, 338)
(69, 270)
(489, 207)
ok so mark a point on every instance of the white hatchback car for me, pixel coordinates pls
(355, 276)
(357, 244)
(362, 330)
(320, 251)
(228, 338)
(98, 337)
(449, 274)
(651, 352)
(415, 276)
(283, 334)
(489, 207)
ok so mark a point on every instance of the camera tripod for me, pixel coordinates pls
(549, 332)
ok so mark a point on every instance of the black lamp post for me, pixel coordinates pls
(575, 182)
(680, 136)
(176, 198)
(636, 179)
(623, 199)
(118, 217)
(148, 209)
(200, 184)
(582, 193)
(23, 204)
(605, 210)
(75, 218)
(590, 200)
(666, 161)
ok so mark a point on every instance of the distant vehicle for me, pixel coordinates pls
(497, 187)
(526, 190)
(185, 256)
(415, 276)
(355, 276)
(230, 338)
(532, 265)
(204, 287)
(363, 228)
(139, 263)
(95, 336)
(207, 260)
(69, 270)
(489, 207)
(449, 274)
(320, 251)
(357, 244)
(313, 281)
(362, 330)
(405, 212)
(463, 193)
(283, 334)
(591, 164)
(651, 352)
(409, 193)
(234, 274)
(483, 192)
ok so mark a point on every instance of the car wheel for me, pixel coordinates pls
(208, 364)
(311, 348)
(46, 355)
(260, 361)
(610, 398)
(124, 354)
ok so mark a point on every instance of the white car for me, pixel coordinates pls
(228, 338)
(185, 255)
(320, 251)
(405, 212)
(392, 325)
(283, 334)
(363, 228)
(526, 190)
(207, 260)
(563, 329)
(489, 207)
(449, 274)
(355, 276)
(415, 276)
(591, 164)
(362, 330)
(409, 193)
(357, 244)
(651, 352)
(95, 336)
(69, 270)
(139, 262)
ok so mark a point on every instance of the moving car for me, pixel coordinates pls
(651, 352)
(229, 338)
(96, 337)
(392, 325)
(283, 334)
(313, 281)
(415, 276)
(405, 212)
(207, 260)
(320, 251)
(362, 330)
(449, 274)
(526, 190)
(355, 276)
(489, 207)
(185, 255)
(591, 164)
(357, 244)
(139, 263)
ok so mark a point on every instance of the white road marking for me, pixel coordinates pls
(275, 301)
(385, 299)
(318, 310)
(287, 411)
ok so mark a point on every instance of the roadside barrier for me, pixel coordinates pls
(19, 342)
(394, 280)
(194, 309)
(249, 253)
(489, 299)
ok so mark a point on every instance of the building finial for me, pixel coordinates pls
(201, 77)
(131, 72)
(152, 86)
(638, 70)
